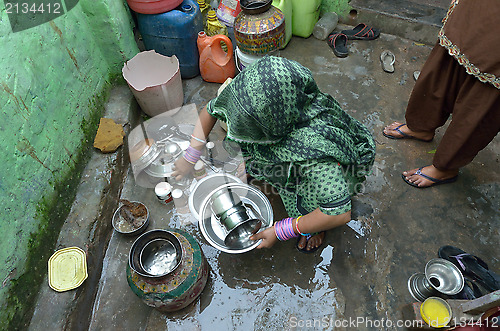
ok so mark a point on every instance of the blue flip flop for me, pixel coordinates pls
(432, 179)
(405, 135)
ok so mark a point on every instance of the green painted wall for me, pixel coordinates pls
(341, 7)
(54, 78)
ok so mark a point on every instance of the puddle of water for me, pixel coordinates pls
(265, 297)
(358, 227)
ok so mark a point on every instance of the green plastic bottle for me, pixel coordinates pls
(305, 14)
(286, 7)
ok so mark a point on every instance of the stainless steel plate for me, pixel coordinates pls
(211, 228)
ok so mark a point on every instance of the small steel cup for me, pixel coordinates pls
(444, 276)
(420, 289)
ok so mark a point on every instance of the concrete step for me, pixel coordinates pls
(415, 20)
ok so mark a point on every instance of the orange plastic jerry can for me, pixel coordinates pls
(215, 65)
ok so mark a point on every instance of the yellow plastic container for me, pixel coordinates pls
(305, 14)
(215, 27)
(435, 312)
(286, 7)
(204, 8)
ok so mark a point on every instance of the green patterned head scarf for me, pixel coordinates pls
(253, 105)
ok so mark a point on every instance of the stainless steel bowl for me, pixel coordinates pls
(163, 164)
(239, 236)
(171, 151)
(159, 257)
(159, 168)
(144, 261)
(259, 209)
(124, 226)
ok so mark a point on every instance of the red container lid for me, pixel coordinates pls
(153, 6)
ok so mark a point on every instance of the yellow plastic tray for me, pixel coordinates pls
(67, 269)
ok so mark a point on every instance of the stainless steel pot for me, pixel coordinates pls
(238, 224)
(155, 254)
(441, 276)
(233, 234)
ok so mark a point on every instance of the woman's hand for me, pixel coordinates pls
(268, 238)
(182, 168)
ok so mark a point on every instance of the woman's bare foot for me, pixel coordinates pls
(313, 242)
(397, 130)
(420, 177)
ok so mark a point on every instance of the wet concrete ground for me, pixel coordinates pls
(359, 275)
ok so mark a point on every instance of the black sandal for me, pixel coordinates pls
(471, 266)
(362, 32)
(472, 290)
(338, 43)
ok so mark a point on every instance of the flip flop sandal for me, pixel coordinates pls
(338, 43)
(432, 179)
(308, 236)
(388, 59)
(404, 135)
(471, 266)
(362, 32)
(470, 291)
(416, 74)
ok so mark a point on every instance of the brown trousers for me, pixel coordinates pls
(445, 88)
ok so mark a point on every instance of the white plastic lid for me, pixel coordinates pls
(210, 145)
(177, 193)
(163, 189)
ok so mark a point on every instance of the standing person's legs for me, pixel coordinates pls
(475, 122)
(432, 98)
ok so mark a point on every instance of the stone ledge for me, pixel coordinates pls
(88, 224)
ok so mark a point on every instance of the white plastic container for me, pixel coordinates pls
(163, 191)
(155, 81)
(179, 197)
(243, 60)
